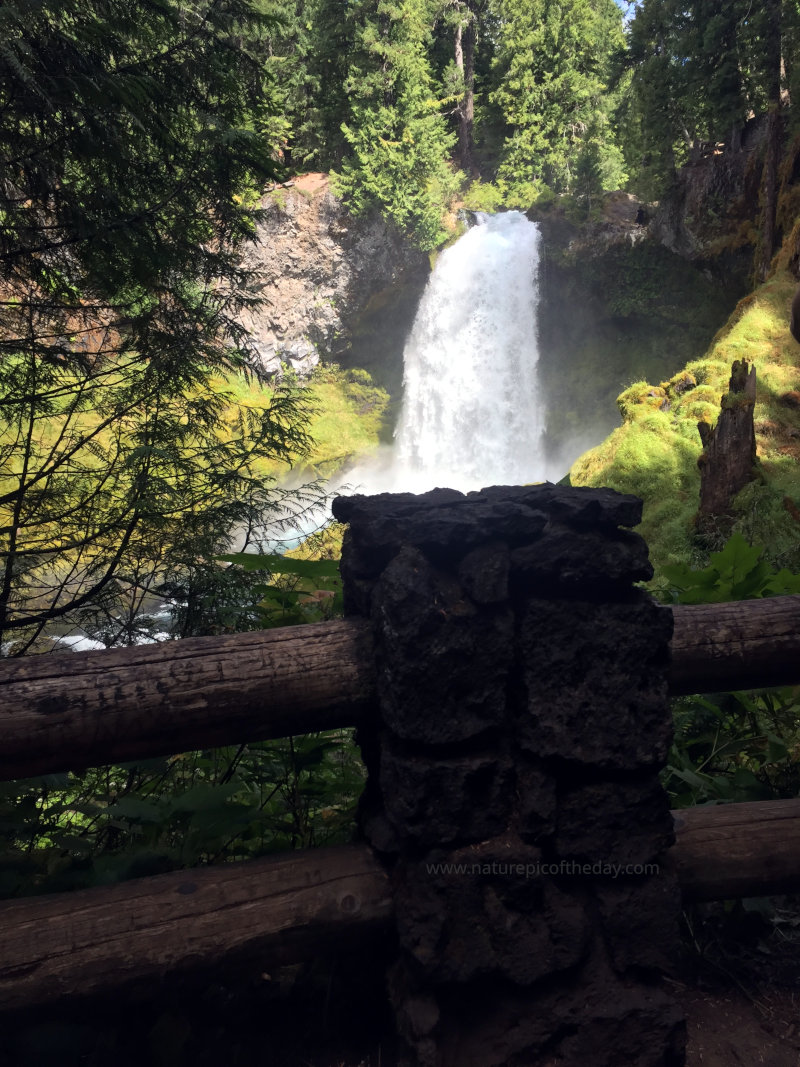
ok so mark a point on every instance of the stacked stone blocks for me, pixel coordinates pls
(513, 774)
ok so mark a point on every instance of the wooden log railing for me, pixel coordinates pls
(72, 711)
(293, 907)
(738, 850)
(751, 644)
(60, 712)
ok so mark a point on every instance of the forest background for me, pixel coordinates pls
(136, 140)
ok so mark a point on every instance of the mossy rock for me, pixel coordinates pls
(640, 399)
(679, 384)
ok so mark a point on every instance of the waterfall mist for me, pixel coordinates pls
(471, 413)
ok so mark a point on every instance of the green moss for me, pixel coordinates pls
(709, 372)
(679, 383)
(654, 453)
(639, 399)
(733, 400)
(278, 197)
(349, 419)
(610, 316)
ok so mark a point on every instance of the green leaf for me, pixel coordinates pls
(691, 778)
(203, 797)
(776, 749)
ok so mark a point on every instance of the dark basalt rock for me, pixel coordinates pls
(629, 820)
(441, 665)
(435, 802)
(513, 790)
(595, 678)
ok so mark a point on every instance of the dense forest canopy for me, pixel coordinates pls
(133, 143)
(534, 96)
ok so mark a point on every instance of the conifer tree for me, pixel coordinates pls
(397, 138)
(135, 137)
(308, 50)
(463, 19)
(699, 70)
(551, 69)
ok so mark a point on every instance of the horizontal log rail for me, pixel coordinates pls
(750, 644)
(71, 711)
(293, 907)
(74, 711)
(282, 909)
(738, 850)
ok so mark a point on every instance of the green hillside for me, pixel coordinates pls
(654, 452)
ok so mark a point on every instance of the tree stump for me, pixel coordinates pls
(728, 460)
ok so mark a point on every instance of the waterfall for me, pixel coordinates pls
(471, 412)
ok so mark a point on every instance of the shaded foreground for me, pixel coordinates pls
(741, 1001)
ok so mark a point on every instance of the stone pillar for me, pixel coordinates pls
(513, 774)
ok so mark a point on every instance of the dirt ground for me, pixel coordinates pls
(732, 1028)
(741, 987)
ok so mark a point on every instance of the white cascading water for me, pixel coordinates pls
(471, 413)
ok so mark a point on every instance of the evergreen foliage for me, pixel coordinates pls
(134, 136)
(552, 64)
(398, 141)
(308, 48)
(700, 72)
(532, 95)
(732, 746)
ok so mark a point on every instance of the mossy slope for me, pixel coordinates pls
(350, 418)
(615, 309)
(654, 452)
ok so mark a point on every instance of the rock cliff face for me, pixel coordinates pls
(324, 278)
(709, 214)
(616, 306)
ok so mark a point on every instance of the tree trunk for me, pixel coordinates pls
(464, 54)
(728, 460)
(769, 192)
(769, 184)
(468, 119)
(794, 321)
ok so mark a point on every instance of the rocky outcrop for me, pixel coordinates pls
(322, 272)
(708, 214)
(622, 219)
